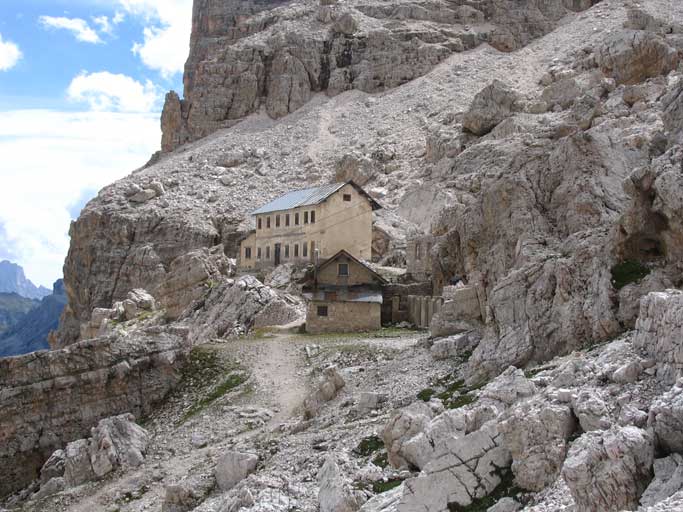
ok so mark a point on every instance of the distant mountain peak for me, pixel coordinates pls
(14, 280)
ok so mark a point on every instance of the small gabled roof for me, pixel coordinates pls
(309, 197)
(353, 258)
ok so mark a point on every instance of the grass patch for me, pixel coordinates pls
(369, 445)
(454, 395)
(426, 394)
(506, 488)
(230, 383)
(381, 460)
(628, 272)
(380, 487)
(460, 401)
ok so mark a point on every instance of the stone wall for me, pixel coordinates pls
(418, 256)
(49, 399)
(343, 317)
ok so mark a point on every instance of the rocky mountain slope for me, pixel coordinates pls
(13, 280)
(31, 332)
(538, 142)
(13, 308)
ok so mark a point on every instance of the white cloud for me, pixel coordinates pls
(50, 160)
(166, 34)
(114, 92)
(9, 54)
(106, 25)
(79, 27)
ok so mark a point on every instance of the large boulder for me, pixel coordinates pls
(471, 468)
(537, 434)
(335, 494)
(117, 441)
(329, 385)
(631, 57)
(668, 480)
(233, 467)
(402, 426)
(490, 106)
(608, 471)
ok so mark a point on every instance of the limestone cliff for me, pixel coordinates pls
(276, 54)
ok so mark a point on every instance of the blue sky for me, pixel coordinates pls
(81, 89)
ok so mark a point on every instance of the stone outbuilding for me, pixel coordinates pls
(345, 296)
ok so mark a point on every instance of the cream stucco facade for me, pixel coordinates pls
(342, 220)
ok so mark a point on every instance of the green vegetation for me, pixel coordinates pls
(628, 272)
(217, 392)
(369, 445)
(506, 488)
(454, 395)
(206, 372)
(381, 460)
(380, 487)
(426, 394)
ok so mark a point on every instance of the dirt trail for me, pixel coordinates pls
(277, 368)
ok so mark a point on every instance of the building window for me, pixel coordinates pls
(312, 249)
(286, 251)
(322, 310)
(277, 221)
(296, 250)
(305, 217)
(296, 219)
(304, 249)
(347, 197)
(313, 217)
(268, 252)
(268, 222)
(247, 253)
(344, 270)
(258, 253)
(287, 219)
(418, 251)
(260, 223)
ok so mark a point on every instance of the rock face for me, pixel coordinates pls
(610, 470)
(244, 55)
(661, 319)
(52, 398)
(666, 419)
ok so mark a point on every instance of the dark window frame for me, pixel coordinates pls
(287, 251)
(296, 219)
(323, 311)
(306, 217)
(247, 253)
(296, 250)
(339, 269)
(268, 222)
(304, 250)
(267, 252)
(347, 198)
(287, 220)
(259, 253)
(277, 221)
(312, 216)
(259, 223)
